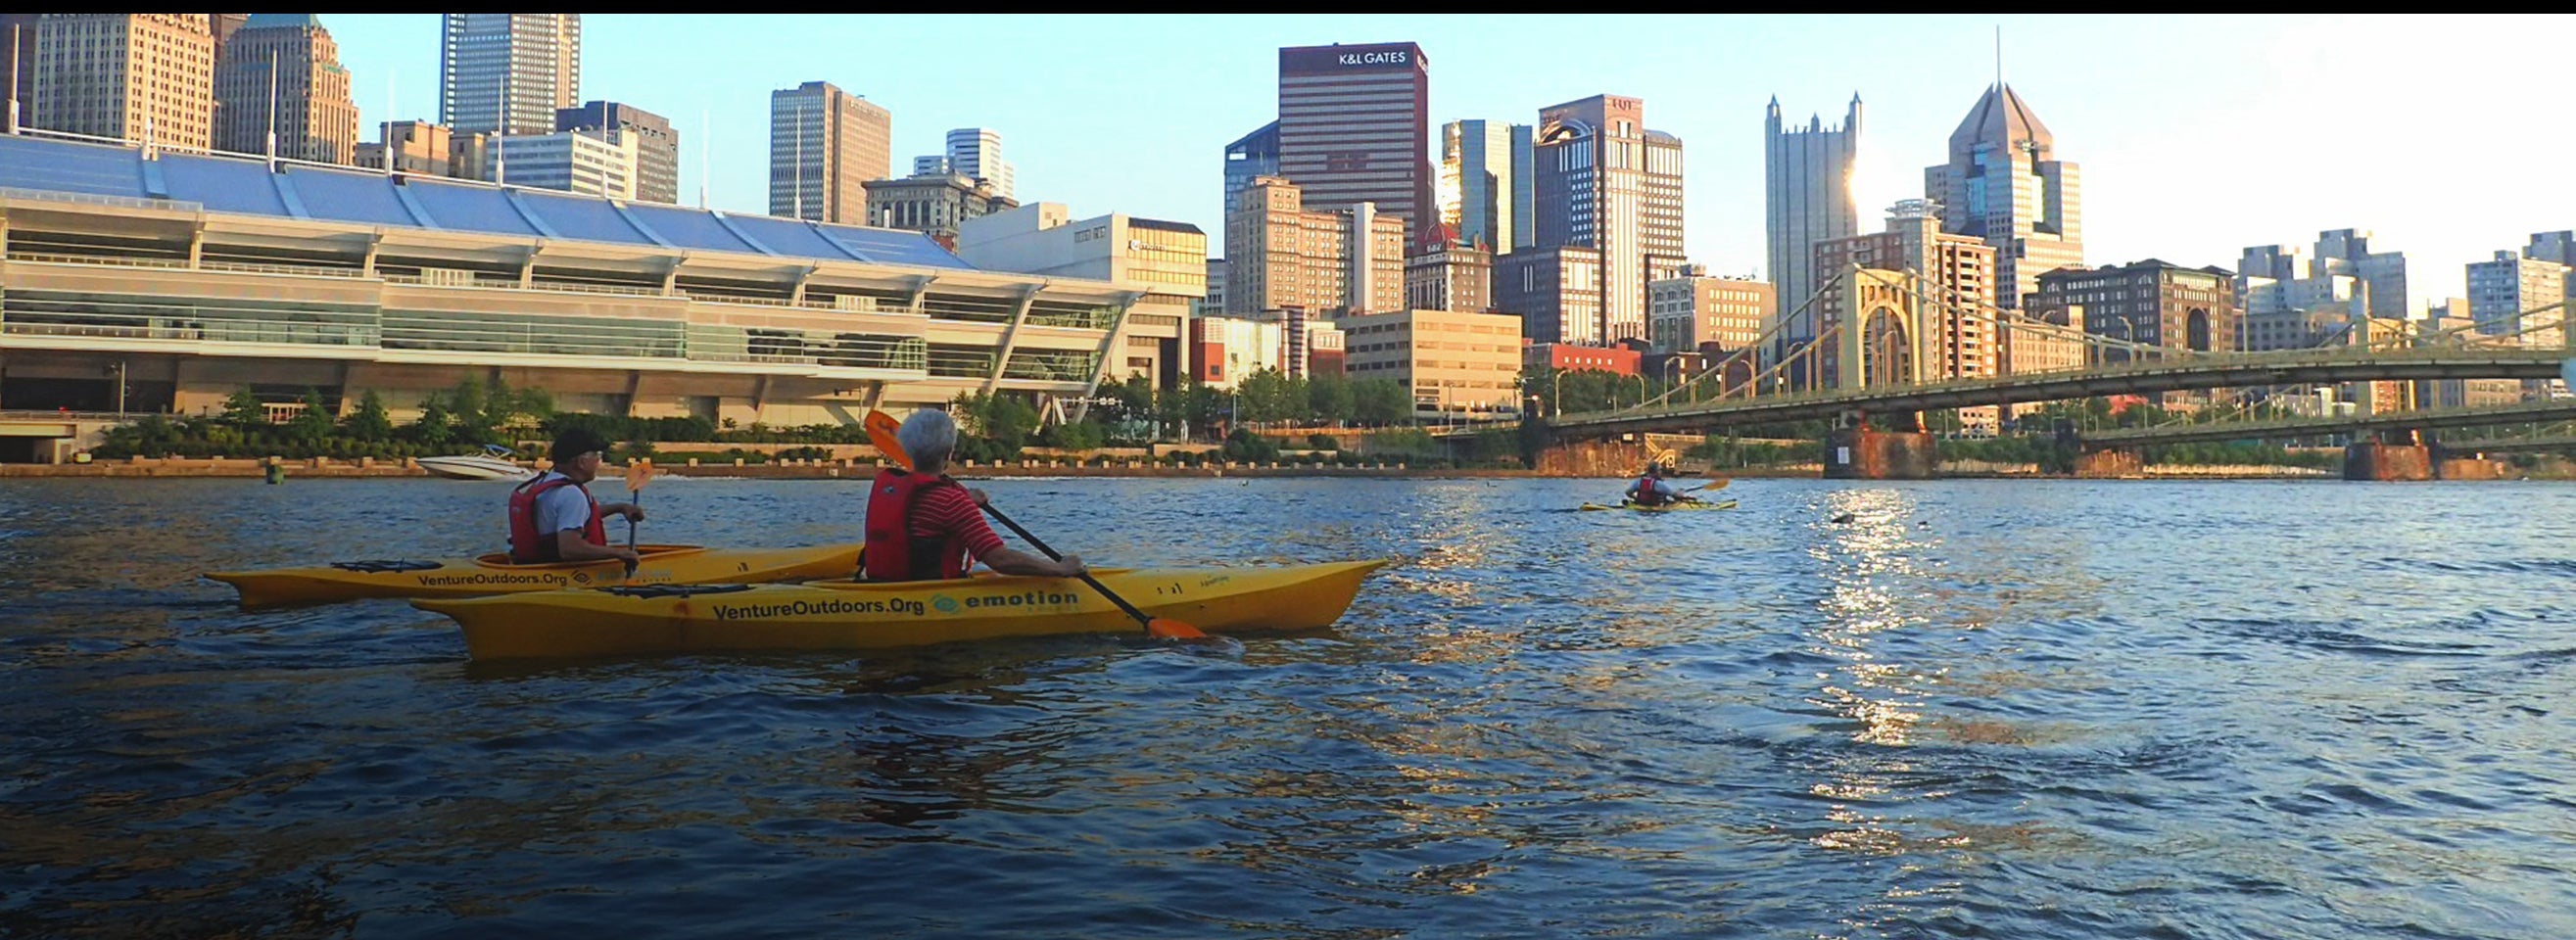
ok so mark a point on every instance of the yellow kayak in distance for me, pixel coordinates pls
(494, 574)
(1670, 507)
(848, 615)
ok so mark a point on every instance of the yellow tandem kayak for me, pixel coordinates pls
(494, 574)
(845, 615)
(1668, 507)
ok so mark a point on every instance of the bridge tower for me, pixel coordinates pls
(1882, 342)
(1885, 342)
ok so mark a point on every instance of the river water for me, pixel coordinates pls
(1976, 709)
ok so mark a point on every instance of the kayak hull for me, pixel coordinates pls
(1675, 507)
(845, 615)
(493, 574)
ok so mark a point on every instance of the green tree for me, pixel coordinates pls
(1130, 402)
(242, 409)
(1269, 395)
(1328, 399)
(435, 428)
(1243, 444)
(1075, 435)
(1191, 405)
(1381, 402)
(314, 423)
(370, 422)
(999, 425)
(471, 423)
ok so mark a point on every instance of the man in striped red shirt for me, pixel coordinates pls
(922, 525)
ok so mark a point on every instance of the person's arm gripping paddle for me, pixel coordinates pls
(881, 428)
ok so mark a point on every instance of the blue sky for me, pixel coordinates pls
(2448, 137)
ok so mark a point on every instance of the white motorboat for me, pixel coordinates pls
(495, 464)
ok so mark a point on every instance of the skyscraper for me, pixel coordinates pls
(1603, 181)
(1806, 198)
(977, 152)
(825, 144)
(1253, 155)
(290, 59)
(657, 146)
(130, 76)
(2005, 185)
(526, 66)
(1355, 126)
(1484, 185)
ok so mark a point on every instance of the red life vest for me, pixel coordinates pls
(892, 553)
(1649, 494)
(529, 546)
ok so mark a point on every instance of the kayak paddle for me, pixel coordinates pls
(881, 428)
(1716, 484)
(638, 473)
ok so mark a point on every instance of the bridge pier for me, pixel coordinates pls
(1859, 453)
(2373, 460)
(2110, 464)
(2472, 468)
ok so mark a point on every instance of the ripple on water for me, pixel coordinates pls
(1980, 708)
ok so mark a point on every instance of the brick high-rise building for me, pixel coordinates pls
(146, 77)
(1320, 262)
(2152, 303)
(825, 145)
(508, 73)
(290, 59)
(1355, 126)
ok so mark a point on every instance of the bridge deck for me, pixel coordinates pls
(2294, 367)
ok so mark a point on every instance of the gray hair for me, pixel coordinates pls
(928, 436)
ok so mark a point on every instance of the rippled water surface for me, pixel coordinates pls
(1978, 709)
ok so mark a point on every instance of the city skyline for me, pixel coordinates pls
(2235, 117)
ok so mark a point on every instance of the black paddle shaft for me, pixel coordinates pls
(1086, 577)
(638, 497)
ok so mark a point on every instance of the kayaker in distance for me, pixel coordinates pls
(1652, 489)
(552, 518)
(922, 526)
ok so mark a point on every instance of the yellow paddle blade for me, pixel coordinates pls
(637, 474)
(1166, 628)
(881, 427)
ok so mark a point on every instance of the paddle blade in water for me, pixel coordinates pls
(1166, 628)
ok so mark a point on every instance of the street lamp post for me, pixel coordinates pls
(1672, 366)
(1558, 382)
